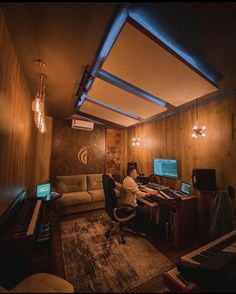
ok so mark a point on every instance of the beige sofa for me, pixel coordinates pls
(82, 193)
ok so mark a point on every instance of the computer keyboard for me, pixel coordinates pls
(146, 189)
(152, 198)
(156, 186)
(167, 193)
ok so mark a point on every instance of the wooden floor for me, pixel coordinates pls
(40, 261)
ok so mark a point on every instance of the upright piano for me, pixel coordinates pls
(19, 229)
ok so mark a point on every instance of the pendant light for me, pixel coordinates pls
(198, 131)
(38, 105)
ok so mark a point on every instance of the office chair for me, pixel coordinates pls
(121, 214)
(222, 215)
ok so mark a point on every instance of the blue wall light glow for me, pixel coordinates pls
(114, 108)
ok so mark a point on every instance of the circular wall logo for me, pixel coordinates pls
(85, 155)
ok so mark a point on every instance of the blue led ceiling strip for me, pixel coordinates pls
(104, 49)
(108, 77)
(113, 108)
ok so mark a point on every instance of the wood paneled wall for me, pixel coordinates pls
(116, 151)
(17, 128)
(105, 150)
(170, 137)
(43, 154)
(76, 151)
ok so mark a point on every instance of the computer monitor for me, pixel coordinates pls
(167, 168)
(43, 190)
(185, 188)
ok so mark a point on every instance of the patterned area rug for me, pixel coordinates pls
(94, 265)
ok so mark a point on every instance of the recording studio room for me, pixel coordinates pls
(118, 147)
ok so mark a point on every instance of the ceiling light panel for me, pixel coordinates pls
(106, 114)
(117, 97)
(139, 60)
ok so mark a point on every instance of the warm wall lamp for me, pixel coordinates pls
(197, 130)
(38, 105)
(136, 141)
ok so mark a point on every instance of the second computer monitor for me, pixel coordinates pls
(165, 168)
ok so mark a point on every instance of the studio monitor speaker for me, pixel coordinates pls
(204, 179)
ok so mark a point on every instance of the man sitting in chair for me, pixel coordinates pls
(142, 222)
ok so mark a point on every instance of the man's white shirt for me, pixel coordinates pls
(132, 191)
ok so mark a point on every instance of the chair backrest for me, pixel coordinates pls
(110, 195)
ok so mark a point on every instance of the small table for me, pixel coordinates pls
(54, 197)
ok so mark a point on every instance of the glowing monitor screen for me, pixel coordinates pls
(165, 168)
(43, 190)
(185, 188)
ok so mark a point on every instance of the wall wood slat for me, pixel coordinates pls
(18, 133)
(171, 138)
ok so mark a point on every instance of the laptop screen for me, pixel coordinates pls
(43, 190)
(185, 188)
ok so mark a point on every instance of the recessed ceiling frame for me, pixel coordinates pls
(124, 15)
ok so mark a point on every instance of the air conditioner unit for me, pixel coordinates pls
(82, 124)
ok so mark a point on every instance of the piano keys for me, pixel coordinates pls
(20, 234)
(213, 266)
(226, 243)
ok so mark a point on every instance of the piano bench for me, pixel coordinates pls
(41, 283)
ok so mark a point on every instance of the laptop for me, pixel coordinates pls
(185, 189)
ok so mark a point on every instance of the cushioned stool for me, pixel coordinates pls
(41, 283)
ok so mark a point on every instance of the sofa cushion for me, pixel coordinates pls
(95, 182)
(97, 195)
(67, 184)
(74, 198)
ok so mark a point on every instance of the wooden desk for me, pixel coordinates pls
(186, 220)
(152, 207)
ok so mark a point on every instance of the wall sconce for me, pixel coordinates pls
(38, 106)
(136, 141)
(198, 131)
